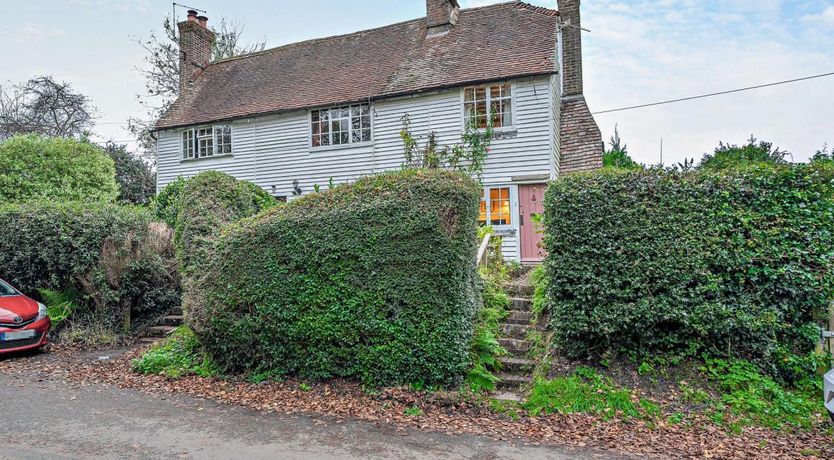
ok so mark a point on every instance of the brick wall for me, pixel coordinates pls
(581, 139)
(571, 47)
(441, 13)
(195, 51)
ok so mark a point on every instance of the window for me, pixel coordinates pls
(341, 125)
(488, 103)
(206, 141)
(496, 209)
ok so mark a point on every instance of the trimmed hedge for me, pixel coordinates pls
(737, 264)
(114, 257)
(375, 280)
(203, 205)
(34, 167)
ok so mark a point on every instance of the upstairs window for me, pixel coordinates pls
(206, 141)
(495, 206)
(341, 125)
(488, 103)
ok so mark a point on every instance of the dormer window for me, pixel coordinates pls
(206, 141)
(488, 102)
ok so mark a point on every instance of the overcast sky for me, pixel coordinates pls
(638, 51)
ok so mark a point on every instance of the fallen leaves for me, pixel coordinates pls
(447, 412)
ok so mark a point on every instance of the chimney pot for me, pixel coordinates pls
(203, 21)
(192, 15)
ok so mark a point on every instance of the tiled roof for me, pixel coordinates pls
(489, 43)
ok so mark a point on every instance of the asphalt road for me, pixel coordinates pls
(53, 418)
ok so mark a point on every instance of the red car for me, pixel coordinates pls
(24, 324)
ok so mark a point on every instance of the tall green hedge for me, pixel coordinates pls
(374, 280)
(732, 264)
(34, 167)
(203, 204)
(113, 257)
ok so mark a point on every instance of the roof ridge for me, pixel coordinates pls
(333, 37)
(537, 9)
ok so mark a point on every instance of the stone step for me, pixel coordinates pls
(507, 396)
(160, 331)
(521, 304)
(515, 331)
(519, 317)
(513, 380)
(520, 290)
(177, 311)
(172, 320)
(515, 347)
(149, 339)
(516, 365)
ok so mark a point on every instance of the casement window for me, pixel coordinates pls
(495, 206)
(341, 125)
(488, 103)
(206, 141)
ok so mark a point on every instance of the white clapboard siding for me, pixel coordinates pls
(273, 151)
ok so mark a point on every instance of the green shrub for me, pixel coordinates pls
(34, 167)
(734, 264)
(206, 203)
(165, 204)
(374, 280)
(115, 258)
(177, 356)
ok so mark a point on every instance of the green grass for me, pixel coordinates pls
(413, 411)
(587, 392)
(175, 357)
(747, 397)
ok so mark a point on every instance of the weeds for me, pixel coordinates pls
(177, 356)
(587, 392)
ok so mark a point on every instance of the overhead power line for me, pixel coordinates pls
(721, 93)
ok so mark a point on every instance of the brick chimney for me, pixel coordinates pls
(196, 41)
(441, 16)
(571, 47)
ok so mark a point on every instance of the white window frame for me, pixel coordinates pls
(487, 88)
(351, 130)
(512, 199)
(193, 140)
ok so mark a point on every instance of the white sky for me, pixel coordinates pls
(638, 51)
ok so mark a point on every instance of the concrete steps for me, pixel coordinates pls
(516, 367)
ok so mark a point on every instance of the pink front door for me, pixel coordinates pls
(531, 205)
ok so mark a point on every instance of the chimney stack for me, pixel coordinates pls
(196, 42)
(441, 16)
(571, 47)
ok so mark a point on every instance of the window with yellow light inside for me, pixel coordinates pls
(495, 206)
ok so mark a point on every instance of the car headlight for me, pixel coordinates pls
(41, 311)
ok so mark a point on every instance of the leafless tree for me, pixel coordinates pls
(44, 106)
(161, 70)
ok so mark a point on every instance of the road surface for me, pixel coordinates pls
(49, 418)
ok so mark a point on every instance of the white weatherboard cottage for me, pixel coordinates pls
(329, 109)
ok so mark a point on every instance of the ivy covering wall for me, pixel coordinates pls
(374, 280)
(738, 264)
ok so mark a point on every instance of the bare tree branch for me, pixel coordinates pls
(44, 106)
(161, 72)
